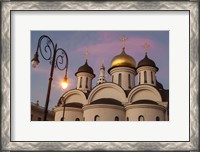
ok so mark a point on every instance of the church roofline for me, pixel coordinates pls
(162, 92)
(59, 101)
(109, 83)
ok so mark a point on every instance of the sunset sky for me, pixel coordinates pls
(102, 47)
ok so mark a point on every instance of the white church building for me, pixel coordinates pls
(119, 100)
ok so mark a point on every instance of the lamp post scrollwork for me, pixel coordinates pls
(57, 57)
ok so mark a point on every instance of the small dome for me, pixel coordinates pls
(123, 60)
(107, 101)
(147, 62)
(145, 102)
(85, 68)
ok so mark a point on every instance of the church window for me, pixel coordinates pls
(145, 76)
(77, 119)
(129, 81)
(139, 77)
(141, 118)
(39, 118)
(152, 78)
(157, 118)
(80, 83)
(127, 118)
(120, 79)
(116, 118)
(86, 85)
(96, 118)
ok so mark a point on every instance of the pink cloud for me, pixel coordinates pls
(114, 47)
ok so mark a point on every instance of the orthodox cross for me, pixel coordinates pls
(146, 46)
(123, 39)
(86, 54)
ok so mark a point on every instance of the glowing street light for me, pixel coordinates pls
(64, 83)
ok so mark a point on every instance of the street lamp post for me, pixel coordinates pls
(59, 59)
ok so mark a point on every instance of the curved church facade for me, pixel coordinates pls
(119, 100)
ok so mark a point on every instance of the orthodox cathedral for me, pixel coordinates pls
(118, 100)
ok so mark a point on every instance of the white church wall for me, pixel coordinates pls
(166, 116)
(70, 114)
(149, 112)
(105, 112)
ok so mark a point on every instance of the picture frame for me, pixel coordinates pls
(9, 7)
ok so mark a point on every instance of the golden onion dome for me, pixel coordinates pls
(123, 60)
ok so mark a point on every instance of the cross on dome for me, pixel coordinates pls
(86, 54)
(123, 39)
(146, 46)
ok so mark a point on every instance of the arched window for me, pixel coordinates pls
(141, 118)
(86, 85)
(39, 118)
(145, 76)
(116, 118)
(157, 118)
(96, 118)
(77, 119)
(152, 78)
(112, 78)
(120, 79)
(80, 82)
(129, 81)
(139, 77)
(127, 118)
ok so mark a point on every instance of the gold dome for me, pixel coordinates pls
(123, 60)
